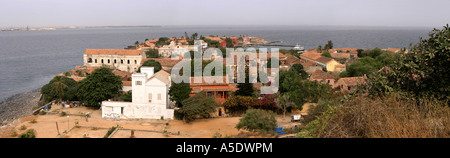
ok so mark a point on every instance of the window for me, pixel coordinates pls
(328, 81)
(102, 61)
(89, 60)
(159, 96)
(95, 60)
(121, 61)
(150, 97)
(128, 61)
(109, 61)
(115, 61)
(121, 110)
(138, 82)
(135, 61)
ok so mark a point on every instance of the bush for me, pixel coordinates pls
(382, 117)
(30, 133)
(257, 120)
(198, 106)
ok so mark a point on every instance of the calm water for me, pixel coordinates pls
(29, 59)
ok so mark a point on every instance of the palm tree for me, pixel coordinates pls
(59, 86)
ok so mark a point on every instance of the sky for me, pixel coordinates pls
(410, 13)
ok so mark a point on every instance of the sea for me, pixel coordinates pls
(30, 59)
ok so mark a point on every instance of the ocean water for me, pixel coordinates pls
(30, 59)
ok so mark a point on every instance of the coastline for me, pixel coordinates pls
(18, 106)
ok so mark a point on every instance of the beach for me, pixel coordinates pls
(17, 106)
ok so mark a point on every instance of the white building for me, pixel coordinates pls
(166, 51)
(150, 98)
(122, 59)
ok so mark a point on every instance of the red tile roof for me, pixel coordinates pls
(112, 52)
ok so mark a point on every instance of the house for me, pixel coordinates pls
(173, 49)
(322, 77)
(349, 83)
(122, 59)
(150, 98)
(218, 90)
(166, 63)
(328, 63)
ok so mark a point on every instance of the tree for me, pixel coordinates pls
(298, 68)
(99, 86)
(136, 43)
(151, 63)
(319, 49)
(61, 88)
(152, 53)
(326, 54)
(256, 119)
(199, 105)
(424, 71)
(179, 92)
(127, 96)
(329, 45)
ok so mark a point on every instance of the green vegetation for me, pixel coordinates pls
(369, 62)
(179, 92)
(112, 129)
(198, 106)
(152, 53)
(99, 86)
(326, 54)
(407, 99)
(30, 133)
(257, 120)
(151, 63)
(127, 96)
(60, 88)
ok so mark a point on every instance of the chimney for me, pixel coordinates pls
(149, 71)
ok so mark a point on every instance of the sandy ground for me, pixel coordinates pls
(45, 126)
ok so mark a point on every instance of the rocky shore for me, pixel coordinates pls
(17, 106)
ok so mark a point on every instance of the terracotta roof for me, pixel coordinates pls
(323, 59)
(77, 79)
(123, 74)
(166, 62)
(126, 83)
(312, 55)
(112, 52)
(340, 55)
(353, 81)
(319, 74)
(161, 75)
(204, 83)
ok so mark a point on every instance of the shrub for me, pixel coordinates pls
(257, 120)
(30, 133)
(198, 106)
(383, 117)
(110, 131)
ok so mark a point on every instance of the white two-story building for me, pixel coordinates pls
(150, 99)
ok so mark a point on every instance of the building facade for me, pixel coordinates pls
(150, 99)
(122, 59)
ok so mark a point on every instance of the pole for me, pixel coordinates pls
(57, 129)
(68, 127)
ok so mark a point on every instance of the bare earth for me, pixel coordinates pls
(45, 126)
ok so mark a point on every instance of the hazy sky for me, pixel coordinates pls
(428, 13)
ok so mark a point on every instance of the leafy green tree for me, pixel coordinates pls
(326, 54)
(257, 120)
(99, 86)
(329, 45)
(60, 88)
(151, 63)
(152, 53)
(127, 96)
(179, 92)
(298, 68)
(199, 105)
(422, 72)
(136, 43)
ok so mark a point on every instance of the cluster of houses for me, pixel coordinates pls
(150, 99)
